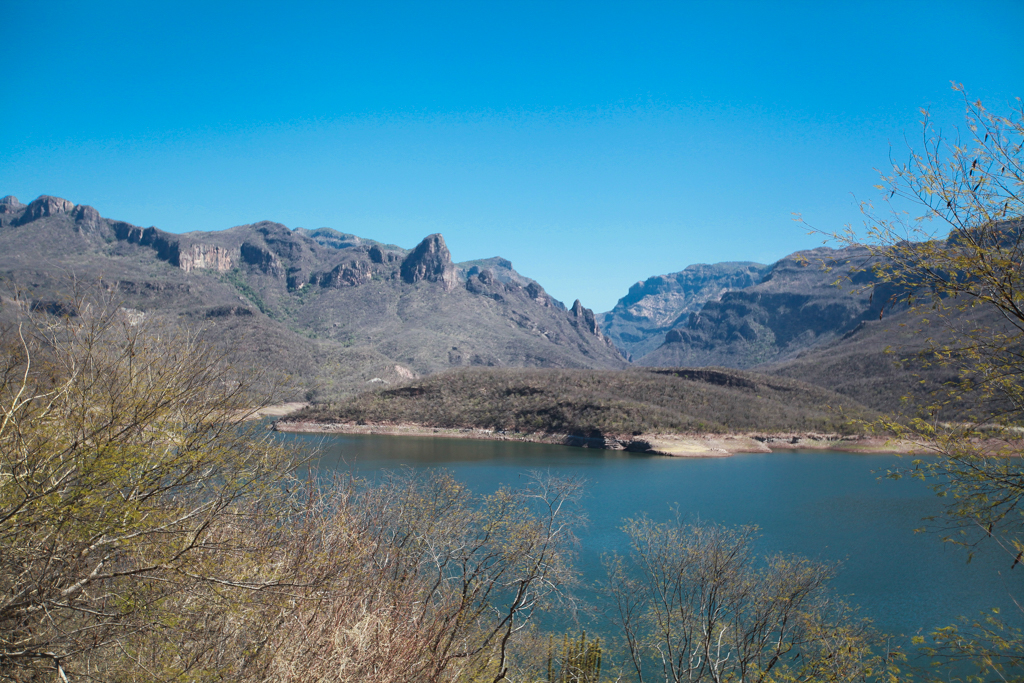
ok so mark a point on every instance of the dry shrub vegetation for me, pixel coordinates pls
(694, 603)
(148, 535)
(593, 402)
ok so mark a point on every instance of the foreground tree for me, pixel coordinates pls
(952, 240)
(148, 534)
(121, 469)
(694, 604)
(428, 582)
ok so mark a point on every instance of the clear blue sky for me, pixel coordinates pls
(593, 144)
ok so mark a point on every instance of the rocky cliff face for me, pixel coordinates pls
(166, 246)
(349, 274)
(84, 217)
(261, 258)
(87, 217)
(46, 206)
(584, 317)
(640, 320)
(797, 305)
(205, 256)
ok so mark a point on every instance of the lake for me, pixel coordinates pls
(828, 506)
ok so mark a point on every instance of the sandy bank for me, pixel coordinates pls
(679, 445)
(279, 410)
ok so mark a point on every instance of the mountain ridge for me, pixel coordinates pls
(341, 313)
(349, 309)
(638, 322)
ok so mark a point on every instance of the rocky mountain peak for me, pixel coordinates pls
(10, 204)
(45, 205)
(430, 261)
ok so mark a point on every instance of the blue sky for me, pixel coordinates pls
(593, 144)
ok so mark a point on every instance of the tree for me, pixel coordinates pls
(952, 240)
(121, 466)
(430, 583)
(694, 604)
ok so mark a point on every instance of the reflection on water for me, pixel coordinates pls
(828, 506)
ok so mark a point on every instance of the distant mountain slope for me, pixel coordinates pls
(880, 362)
(875, 364)
(820, 317)
(804, 300)
(333, 309)
(640, 320)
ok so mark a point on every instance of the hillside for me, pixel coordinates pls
(805, 300)
(596, 403)
(333, 310)
(881, 361)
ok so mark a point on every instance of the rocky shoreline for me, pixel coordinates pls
(677, 445)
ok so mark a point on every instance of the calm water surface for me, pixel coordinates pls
(823, 505)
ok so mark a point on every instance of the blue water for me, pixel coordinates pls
(823, 505)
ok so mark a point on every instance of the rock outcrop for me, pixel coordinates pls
(483, 282)
(282, 241)
(165, 245)
(261, 259)
(10, 204)
(350, 274)
(44, 206)
(430, 261)
(584, 317)
(86, 217)
(168, 247)
(535, 291)
(205, 256)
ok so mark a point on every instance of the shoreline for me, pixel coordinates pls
(676, 445)
(276, 410)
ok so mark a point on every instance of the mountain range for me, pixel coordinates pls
(332, 310)
(340, 313)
